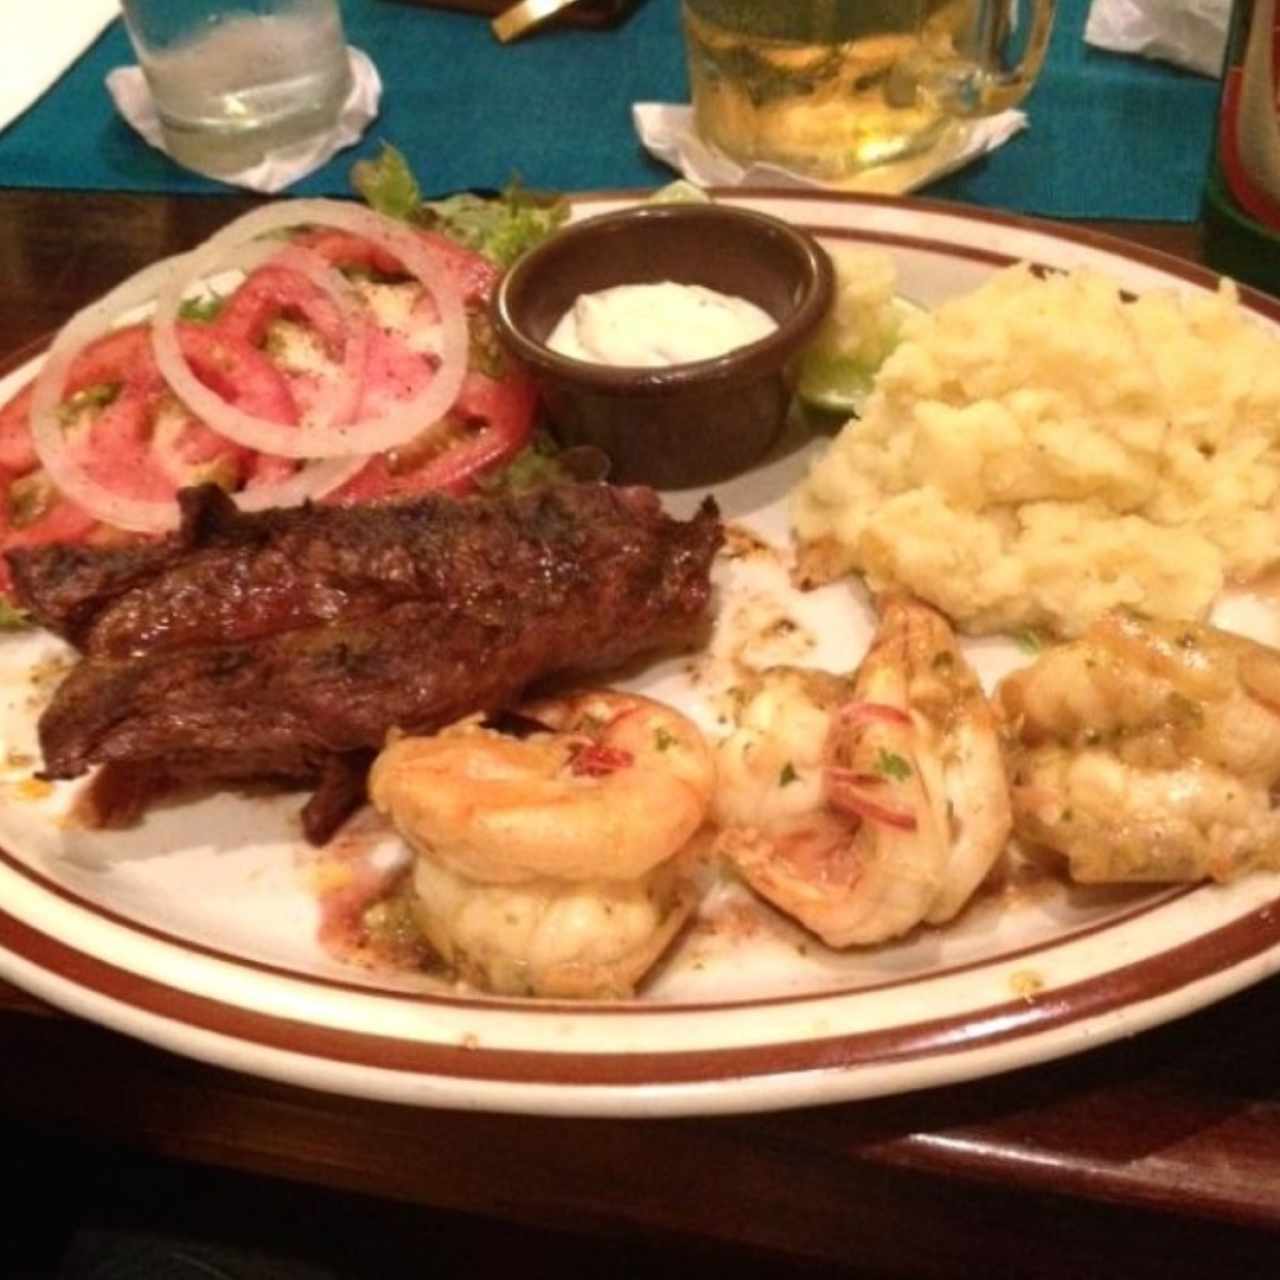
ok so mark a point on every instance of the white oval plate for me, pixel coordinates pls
(198, 931)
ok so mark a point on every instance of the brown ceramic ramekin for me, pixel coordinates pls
(686, 424)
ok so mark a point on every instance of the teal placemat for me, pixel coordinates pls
(1110, 136)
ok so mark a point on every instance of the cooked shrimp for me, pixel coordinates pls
(550, 864)
(864, 807)
(770, 804)
(1148, 751)
(589, 939)
(959, 753)
(771, 769)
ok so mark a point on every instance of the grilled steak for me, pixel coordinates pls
(228, 577)
(285, 645)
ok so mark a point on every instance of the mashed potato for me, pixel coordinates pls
(1042, 450)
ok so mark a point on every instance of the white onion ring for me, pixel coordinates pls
(47, 435)
(339, 402)
(173, 466)
(49, 439)
(313, 480)
(370, 435)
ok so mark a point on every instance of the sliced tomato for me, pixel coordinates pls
(471, 273)
(494, 419)
(17, 454)
(142, 442)
(238, 372)
(62, 521)
(101, 363)
(118, 361)
(393, 372)
(273, 291)
(277, 290)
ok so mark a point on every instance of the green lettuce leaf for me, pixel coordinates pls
(202, 310)
(501, 227)
(681, 191)
(536, 466)
(387, 184)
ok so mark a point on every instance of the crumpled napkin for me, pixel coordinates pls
(1188, 33)
(666, 130)
(128, 89)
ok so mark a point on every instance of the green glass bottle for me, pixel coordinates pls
(1241, 209)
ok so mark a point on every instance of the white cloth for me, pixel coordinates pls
(38, 43)
(1188, 33)
(666, 131)
(128, 88)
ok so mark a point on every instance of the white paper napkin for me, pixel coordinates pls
(128, 88)
(666, 130)
(1188, 33)
(37, 47)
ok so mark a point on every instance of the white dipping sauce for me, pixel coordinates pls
(654, 325)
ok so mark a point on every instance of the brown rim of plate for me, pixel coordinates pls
(1157, 898)
(1201, 957)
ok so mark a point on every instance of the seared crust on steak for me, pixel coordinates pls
(229, 577)
(286, 645)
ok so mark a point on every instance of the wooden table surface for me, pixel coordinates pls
(1159, 1156)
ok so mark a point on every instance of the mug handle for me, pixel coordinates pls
(977, 84)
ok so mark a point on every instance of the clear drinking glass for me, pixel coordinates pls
(234, 80)
(835, 88)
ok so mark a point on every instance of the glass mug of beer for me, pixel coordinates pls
(837, 88)
(234, 80)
